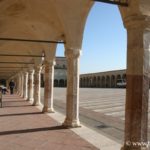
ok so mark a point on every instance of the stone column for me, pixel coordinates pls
(48, 87)
(137, 94)
(21, 84)
(37, 86)
(17, 83)
(30, 85)
(25, 95)
(72, 102)
(20, 80)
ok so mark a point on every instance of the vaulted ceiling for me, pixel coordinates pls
(50, 20)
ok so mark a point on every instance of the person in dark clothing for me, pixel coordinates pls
(11, 86)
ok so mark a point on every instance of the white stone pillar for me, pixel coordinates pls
(17, 84)
(72, 104)
(30, 85)
(21, 84)
(25, 95)
(48, 87)
(37, 86)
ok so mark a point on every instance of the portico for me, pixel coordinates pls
(39, 26)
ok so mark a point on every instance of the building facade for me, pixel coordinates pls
(106, 79)
(60, 73)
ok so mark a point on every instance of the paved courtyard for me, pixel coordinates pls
(24, 127)
(106, 107)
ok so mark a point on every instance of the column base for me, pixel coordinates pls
(20, 94)
(25, 98)
(30, 99)
(36, 104)
(48, 110)
(71, 124)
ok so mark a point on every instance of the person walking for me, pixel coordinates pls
(11, 86)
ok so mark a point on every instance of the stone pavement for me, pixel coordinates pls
(24, 127)
(104, 105)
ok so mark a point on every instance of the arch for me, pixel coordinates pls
(42, 80)
(65, 85)
(98, 81)
(89, 82)
(103, 85)
(56, 83)
(113, 81)
(61, 83)
(118, 77)
(84, 82)
(108, 81)
(3, 82)
(81, 82)
(94, 81)
(124, 77)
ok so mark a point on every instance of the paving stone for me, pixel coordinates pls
(24, 127)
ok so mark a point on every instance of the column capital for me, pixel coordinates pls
(73, 53)
(38, 68)
(137, 21)
(31, 71)
(26, 73)
(51, 62)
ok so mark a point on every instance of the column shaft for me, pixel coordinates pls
(21, 85)
(37, 86)
(30, 86)
(26, 85)
(137, 94)
(48, 87)
(72, 104)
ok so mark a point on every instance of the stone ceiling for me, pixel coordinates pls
(52, 20)
(37, 20)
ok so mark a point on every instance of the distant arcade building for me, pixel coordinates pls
(106, 79)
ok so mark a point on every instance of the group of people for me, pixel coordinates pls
(4, 90)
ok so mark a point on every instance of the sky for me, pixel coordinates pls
(104, 41)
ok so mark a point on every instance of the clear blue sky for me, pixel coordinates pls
(104, 42)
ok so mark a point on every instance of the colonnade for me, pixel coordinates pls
(28, 84)
(137, 75)
(101, 81)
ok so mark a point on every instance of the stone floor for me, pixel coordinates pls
(24, 127)
(103, 105)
